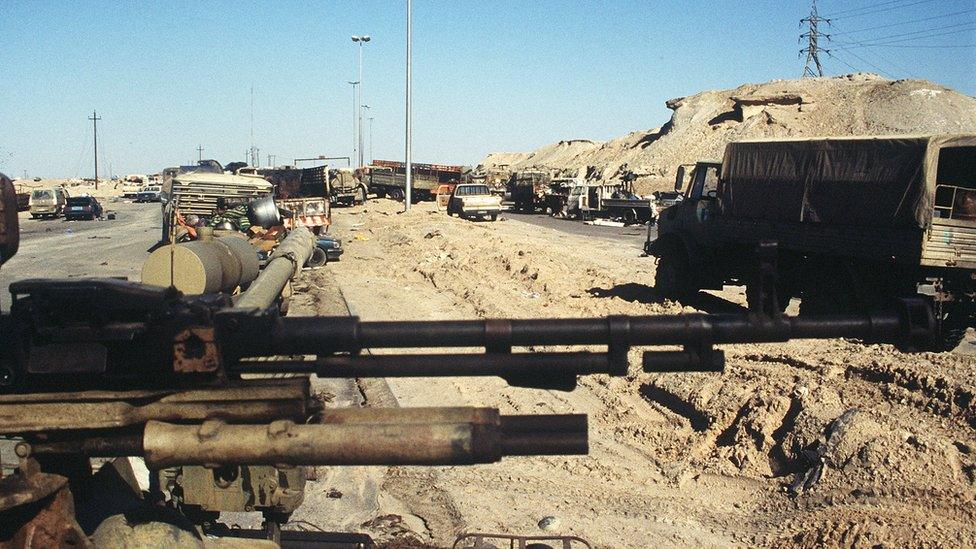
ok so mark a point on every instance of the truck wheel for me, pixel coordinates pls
(672, 278)
(360, 196)
(953, 324)
(494, 217)
(397, 194)
(630, 216)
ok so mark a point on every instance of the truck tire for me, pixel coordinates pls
(360, 196)
(956, 319)
(396, 193)
(494, 217)
(630, 216)
(672, 280)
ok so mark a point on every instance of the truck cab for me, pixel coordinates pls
(697, 184)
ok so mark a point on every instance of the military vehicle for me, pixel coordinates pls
(388, 178)
(197, 193)
(854, 221)
(305, 192)
(528, 190)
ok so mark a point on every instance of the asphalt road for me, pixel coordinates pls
(633, 235)
(57, 248)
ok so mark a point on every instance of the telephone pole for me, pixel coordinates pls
(95, 118)
(813, 48)
(199, 153)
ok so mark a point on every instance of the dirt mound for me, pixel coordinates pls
(702, 124)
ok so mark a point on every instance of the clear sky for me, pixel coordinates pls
(488, 76)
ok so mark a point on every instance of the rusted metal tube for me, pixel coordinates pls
(452, 437)
(285, 262)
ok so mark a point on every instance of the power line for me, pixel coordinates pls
(921, 31)
(869, 6)
(848, 45)
(883, 9)
(813, 35)
(906, 22)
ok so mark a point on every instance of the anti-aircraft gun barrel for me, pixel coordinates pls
(405, 436)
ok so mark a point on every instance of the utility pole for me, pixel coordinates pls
(408, 162)
(812, 35)
(95, 118)
(199, 153)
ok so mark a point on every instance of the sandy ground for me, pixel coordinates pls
(676, 459)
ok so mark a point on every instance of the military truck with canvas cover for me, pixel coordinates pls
(854, 221)
(389, 178)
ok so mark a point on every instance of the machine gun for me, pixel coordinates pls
(108, 368)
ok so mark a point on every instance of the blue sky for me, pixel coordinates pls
(488, 76)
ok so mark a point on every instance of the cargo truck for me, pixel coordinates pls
(388, 178)
(852, 222)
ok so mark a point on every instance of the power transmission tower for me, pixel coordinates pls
(95, 118)
(813, 48)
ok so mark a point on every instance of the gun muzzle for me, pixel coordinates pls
(412, 436)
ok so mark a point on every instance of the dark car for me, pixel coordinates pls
(327, 248)
(82, 207)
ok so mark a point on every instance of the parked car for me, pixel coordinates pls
(47, 202)
(82, 207)
(327, 248)
(474, 200)
(149, 193)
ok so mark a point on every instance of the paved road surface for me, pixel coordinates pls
(634, 235)
(68, 249)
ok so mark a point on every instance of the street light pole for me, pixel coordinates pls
(361, 40)
(355, 119)
(409, 164)
(362, 138)
(370, 140)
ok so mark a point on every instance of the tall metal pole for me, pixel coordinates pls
(95, 118)
(370, 140)
(199, 153)
(409, 163)
(360, 110)
(355, 119)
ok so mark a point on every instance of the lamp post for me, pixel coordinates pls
(370, 140)
(361, 40)
(408, 161)
(362, 138)
(355, 118)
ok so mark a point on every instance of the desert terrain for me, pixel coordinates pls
(675, 459)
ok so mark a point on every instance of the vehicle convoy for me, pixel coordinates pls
(474, 200)
(48, 202)
(303, 192)
(388, 178)
(841, 223)
(82, 207)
